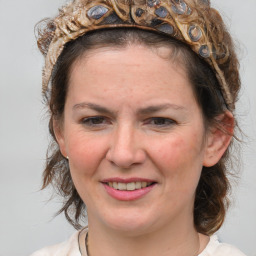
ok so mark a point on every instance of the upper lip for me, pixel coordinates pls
(127, 180)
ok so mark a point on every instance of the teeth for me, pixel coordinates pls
(138, 185)
(143, 184)
(115, 185)
(121, 186)
(129, 186)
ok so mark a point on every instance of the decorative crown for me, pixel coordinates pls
(184, 20)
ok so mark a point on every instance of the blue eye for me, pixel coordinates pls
(94, 121)
(161, 121)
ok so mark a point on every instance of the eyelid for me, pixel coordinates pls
(170, 121)
(88, 121)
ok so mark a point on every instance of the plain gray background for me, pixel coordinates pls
(26, 219)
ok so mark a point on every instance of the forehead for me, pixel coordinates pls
(134, 71)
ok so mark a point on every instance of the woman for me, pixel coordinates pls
(142, 97)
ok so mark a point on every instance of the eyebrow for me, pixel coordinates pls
(157, 108)
(92, 106)
(142, 111)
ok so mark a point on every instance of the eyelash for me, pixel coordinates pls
(164, 122)
(96, 121)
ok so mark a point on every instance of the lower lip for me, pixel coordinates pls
(126, 195)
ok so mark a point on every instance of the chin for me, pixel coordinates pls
(132, 224)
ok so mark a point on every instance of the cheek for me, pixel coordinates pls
(85, 154)
(180, 159)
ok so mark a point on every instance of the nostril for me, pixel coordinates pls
(122, 158)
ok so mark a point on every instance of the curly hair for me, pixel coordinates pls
(211, 200)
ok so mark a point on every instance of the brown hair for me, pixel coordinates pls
(211, 195)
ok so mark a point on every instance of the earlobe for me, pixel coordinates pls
(58, 132)
(218, 139)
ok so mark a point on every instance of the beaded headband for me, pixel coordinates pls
(184, 20)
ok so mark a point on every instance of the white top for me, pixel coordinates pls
(72, 248)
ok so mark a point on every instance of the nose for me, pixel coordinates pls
(125, 148)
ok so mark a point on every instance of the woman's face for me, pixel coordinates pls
(131, 120)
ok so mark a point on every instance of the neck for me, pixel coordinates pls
(175, 241)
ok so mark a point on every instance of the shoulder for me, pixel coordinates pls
(215, 248)
(67, 248)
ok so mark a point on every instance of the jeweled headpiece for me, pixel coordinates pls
(184, 20)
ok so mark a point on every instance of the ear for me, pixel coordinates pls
(58, 132)
(218, 139)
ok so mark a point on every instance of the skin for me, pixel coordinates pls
(132, 113)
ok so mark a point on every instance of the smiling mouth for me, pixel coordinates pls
(131, 186)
